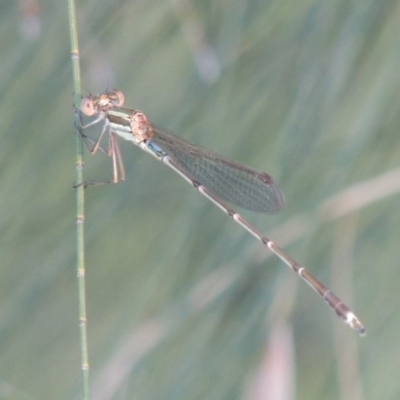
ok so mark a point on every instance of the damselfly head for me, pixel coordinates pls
(91, 105)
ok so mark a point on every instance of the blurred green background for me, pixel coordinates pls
(183, 303)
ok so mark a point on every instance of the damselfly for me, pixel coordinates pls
(217, 178)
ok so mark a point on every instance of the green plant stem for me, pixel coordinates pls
(80, 201)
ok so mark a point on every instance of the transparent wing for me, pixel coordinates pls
(228, 180)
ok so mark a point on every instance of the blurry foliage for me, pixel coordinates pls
(182, 303)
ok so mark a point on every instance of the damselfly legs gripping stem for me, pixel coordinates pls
(217, 178)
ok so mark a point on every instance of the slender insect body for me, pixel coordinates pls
(218, 179)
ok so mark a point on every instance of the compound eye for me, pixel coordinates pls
(87, 106)
(117, 98)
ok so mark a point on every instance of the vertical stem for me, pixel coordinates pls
(80, 201)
